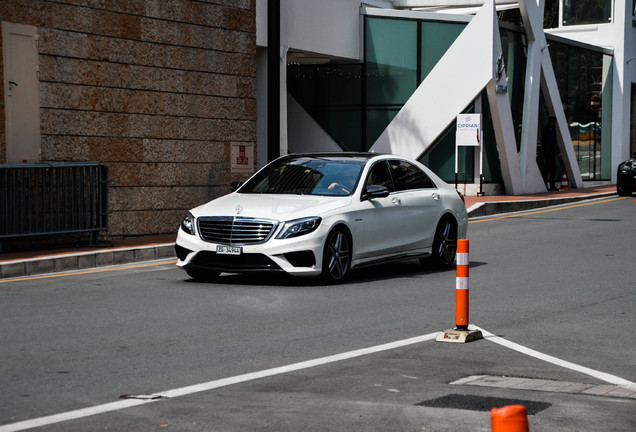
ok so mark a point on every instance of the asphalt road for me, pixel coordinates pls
(556, 286)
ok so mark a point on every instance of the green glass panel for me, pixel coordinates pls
(437, 37)
(377, 120)
(332, 95)
(391, 60)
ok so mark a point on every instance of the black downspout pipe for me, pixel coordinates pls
(273, 79)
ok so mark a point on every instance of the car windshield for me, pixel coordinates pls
(307, 176)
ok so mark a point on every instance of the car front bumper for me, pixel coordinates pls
(300, 256)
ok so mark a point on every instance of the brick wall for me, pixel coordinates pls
(157, 90)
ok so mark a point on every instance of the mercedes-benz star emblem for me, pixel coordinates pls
(239, 209)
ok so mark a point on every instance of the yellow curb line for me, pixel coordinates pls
(77, 273)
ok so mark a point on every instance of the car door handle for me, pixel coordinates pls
(436, 196)
(396, 201)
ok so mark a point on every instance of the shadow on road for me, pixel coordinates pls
(379, 272)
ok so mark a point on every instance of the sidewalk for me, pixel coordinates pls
(29, 263)
(490, 205)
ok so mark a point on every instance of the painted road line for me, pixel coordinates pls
(551, 209)
(224, 382)
(210, 385)
(85, 272)
(612, 379)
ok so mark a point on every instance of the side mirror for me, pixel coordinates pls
(375, 191)
(235, 185)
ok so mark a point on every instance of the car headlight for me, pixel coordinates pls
(299, 227)
(187, 224)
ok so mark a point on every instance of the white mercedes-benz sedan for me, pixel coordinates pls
(323, 214)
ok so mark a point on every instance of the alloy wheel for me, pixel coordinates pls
(445, 246)
(337, 258)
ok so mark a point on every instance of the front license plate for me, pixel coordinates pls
(229, 250)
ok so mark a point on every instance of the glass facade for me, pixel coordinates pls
(332, 95)
(355, 103)
(579, 74)
(578, 12)
(390, 85)
(391, 71)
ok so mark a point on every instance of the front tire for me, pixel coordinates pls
(337, 254)
(445, 244)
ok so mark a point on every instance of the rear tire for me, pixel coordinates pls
(336, 260)
(445, 244)
(622, 191)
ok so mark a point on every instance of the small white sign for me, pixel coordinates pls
(242, 157)
(468, 130)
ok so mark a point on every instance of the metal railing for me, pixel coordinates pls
(58, 198)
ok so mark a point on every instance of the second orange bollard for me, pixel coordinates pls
(511, 418)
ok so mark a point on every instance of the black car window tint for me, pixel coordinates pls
(379, 175)
(306, 176)
(407, 176)
(293, 178)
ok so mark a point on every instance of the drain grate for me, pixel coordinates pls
(482, 403)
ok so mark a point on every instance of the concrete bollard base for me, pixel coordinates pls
(459, 336)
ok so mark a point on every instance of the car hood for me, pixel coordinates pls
(279, 207)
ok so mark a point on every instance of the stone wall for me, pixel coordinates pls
(158, 90)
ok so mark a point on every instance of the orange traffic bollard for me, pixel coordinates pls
(461, 286)
(460, 333)
(511, 418)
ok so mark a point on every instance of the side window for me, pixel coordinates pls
(379, 175)
(407, 176)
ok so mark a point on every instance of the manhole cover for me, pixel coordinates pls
(481, 403)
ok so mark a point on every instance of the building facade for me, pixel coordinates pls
(159, 91)
(175, 96)
(394, 75)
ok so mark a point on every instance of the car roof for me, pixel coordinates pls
(335, 155)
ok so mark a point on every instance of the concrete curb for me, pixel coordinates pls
(500, 207)
(85, 260)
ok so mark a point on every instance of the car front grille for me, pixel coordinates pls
(236, 230)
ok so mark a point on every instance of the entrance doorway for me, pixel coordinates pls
(21, 89)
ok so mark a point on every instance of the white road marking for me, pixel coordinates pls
(184, 391)
(613, 379)
(210, 385)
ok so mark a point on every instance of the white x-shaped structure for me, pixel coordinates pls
(472, 63)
